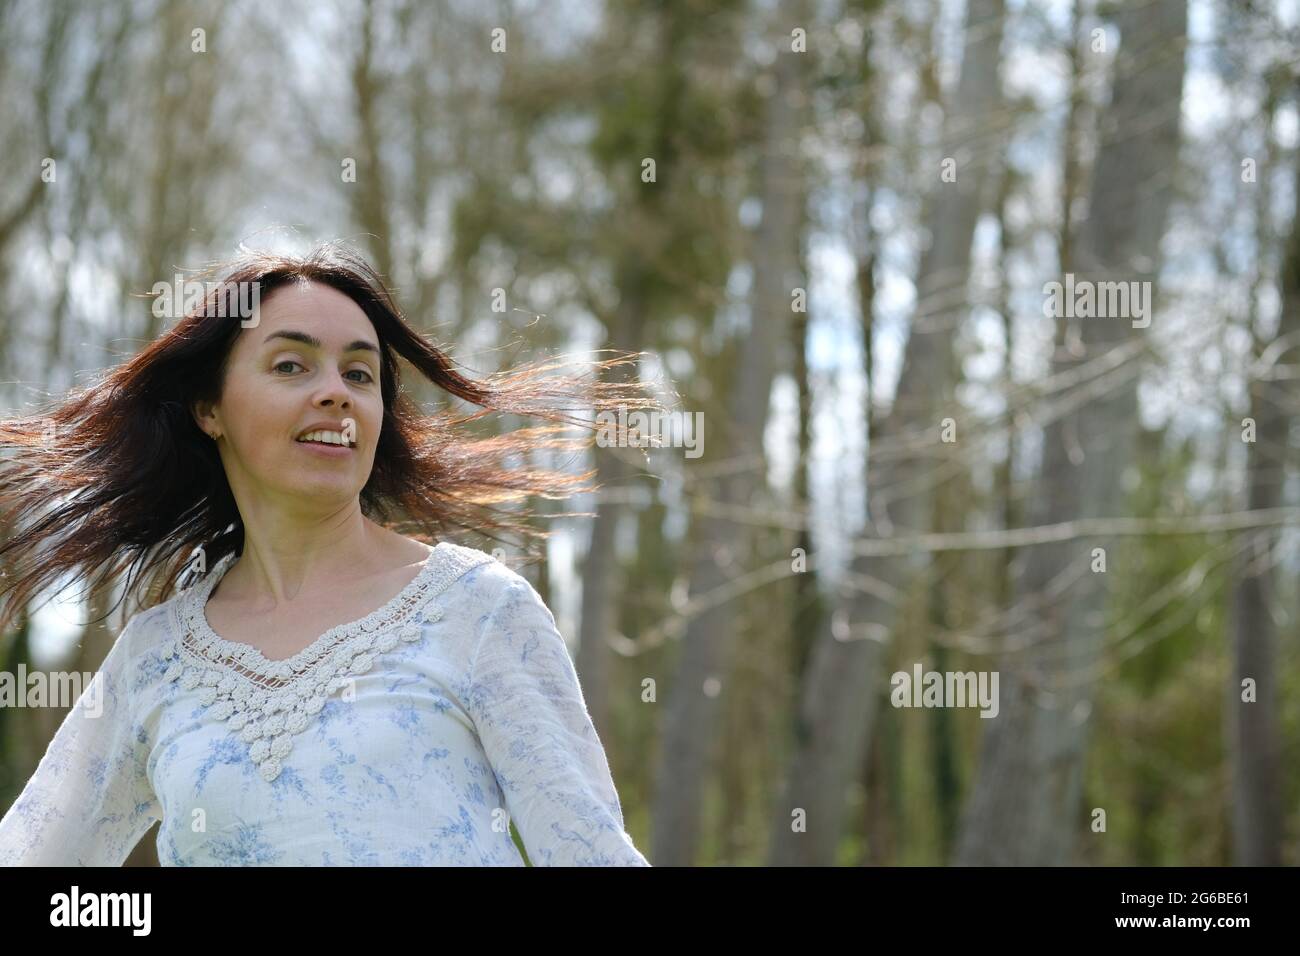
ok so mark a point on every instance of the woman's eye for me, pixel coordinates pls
(359, 371)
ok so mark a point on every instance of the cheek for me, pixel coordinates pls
(259, 418)
(369, 417)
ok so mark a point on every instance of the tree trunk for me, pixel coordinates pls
(691, 722)
(370, 194)
(841, 689)
(600, 579)
(1024, 808)
(1253, 738)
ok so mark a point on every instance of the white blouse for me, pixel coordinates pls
(413, 736)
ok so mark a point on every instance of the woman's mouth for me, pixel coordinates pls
(325, 449)
(331, 444)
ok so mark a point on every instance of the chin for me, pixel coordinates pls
(331, 486)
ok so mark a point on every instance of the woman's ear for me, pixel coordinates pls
(205, 417)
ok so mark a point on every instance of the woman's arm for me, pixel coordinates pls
(533, 723)
(89, 801)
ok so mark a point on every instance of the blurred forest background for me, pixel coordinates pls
(830, 225)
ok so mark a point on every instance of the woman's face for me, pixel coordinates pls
(278, 387)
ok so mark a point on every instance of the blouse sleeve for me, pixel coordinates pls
(532, 720)
(89, 801)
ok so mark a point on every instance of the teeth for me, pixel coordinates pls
(331, 438)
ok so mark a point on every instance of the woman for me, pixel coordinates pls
(326, 691)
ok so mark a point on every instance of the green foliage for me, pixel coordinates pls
(1157, 755)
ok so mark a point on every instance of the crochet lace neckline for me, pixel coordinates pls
(203, 630)
(194, 615)
(267, 703)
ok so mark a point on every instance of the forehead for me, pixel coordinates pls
(315, 308)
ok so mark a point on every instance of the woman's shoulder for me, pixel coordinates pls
(482, 579)
(468, 569)
(148, 629)
(142, 642)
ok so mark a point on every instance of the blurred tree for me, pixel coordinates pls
(691, 727)
(1024, 805)
(844, 683)
(1252, 718)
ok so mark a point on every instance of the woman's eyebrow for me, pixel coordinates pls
(360, 345)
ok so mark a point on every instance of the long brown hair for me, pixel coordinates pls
(119, 474)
